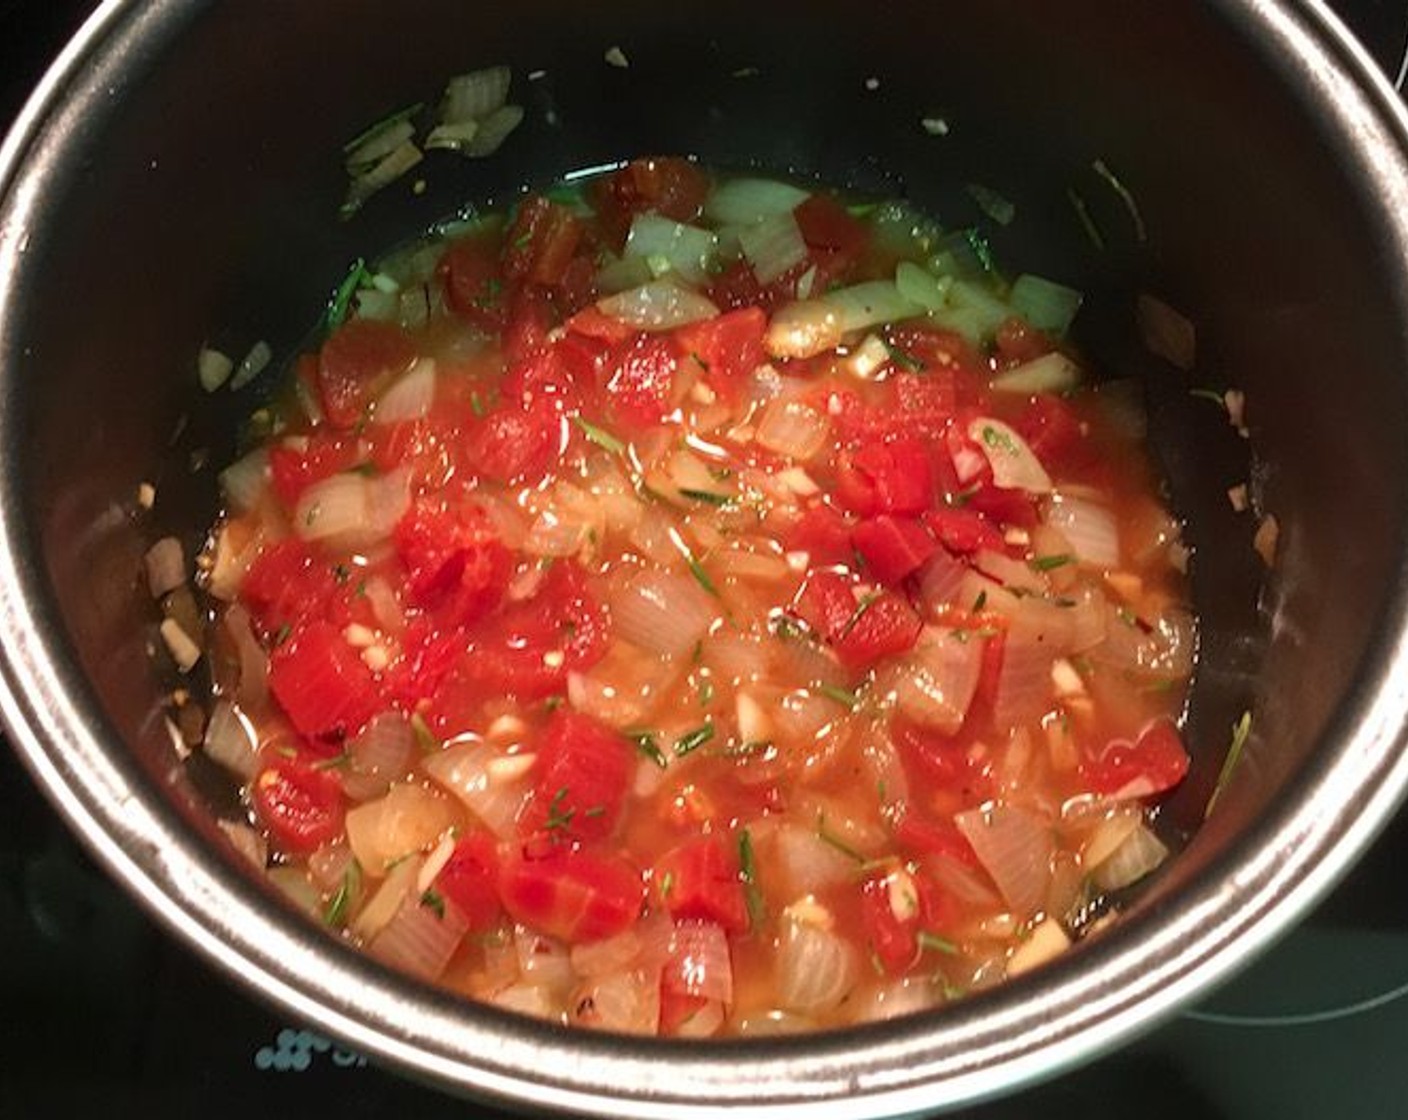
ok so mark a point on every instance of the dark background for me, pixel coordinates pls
(101, 1014)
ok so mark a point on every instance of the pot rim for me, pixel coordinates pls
(1147, 968)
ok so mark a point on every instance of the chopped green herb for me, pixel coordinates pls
(645, 742)
(489, 292)
(932, 941)
(748, 872)
(341, 302)
(999, 441)
(433, 900)
(600, 436)
(345, 895)
(361, 591)
(1050, 563)
(866, 602)
(594, 811)
(876, 963)
(835, 841)
(693, 740)
(842, 696)
(699, 361)
(1209, 395)
(337, 761)
(707, 496)
(1241, 731)
(425, 738)
(557, 818)
(701, 577)
(341, 573)
(903, 358)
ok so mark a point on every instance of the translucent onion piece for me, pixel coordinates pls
(807, 864)
(1109, 835)
(804, 329)
(815, 968)
(543, 960)
(973, 311)
(493, 130)
(1015, 847)
(421, 937)
(686, 250)
(294, 885)
(662, 612)
(738, 658)
(245, 481)
(1091, 529)
(793, 429)
(408, 819)
(1161, 648)
(938, 680)
(1012, 574)
(1140, 854)
(610, 955)
(379, 754)
(623, 688)
(247, 842)
(961, 881)
(213, 368)
(1014, 465)
(352, 511)
(165, 563)
(703, 1022)
(1166, 333)
(699, 964)
(894, 999)
(744, 201)
(572, 519)
(868, 304)
(658, 306)
(463, 770)
(1024, 687)
(1046, 942)
(921, 287)
(627, 1002)
(476, 94)
(773, 246)
(805, 662)
(328, 864)
(756, 567)
(410, 397)
(1044, 304)
(382, 907)
(527, 999)
(1050, 373)
(230, 741)
(1087, 619)
(940, 581)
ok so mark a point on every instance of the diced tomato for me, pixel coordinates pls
(892, 547)
(940, 764)
(895, 477)
(1018, 341)
(1052, 430)
(993, 648)
(827, 604)
(825, 224)
(824, 535)
(934, 836)
(322, 683)
(474, 287)
(1004, 506)
(470, 879)
(563, 375)
(457, 565)
(572, 894)
(673, 188)
(736, 288)
(593, 323)
(300, 806)
(294, 468)
(640, 378)
(541, 242)
(583, 771)
(286, 586)
(1153, 764)
(701, 879)
(730, 346)
(530, 320)
(963, 531)
(359, 358)
(924, 403)
(892, 937)
(677, 1009)
(937, 349)
(515, 443)
(887, 625)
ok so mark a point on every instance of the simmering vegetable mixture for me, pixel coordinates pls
(694, 605)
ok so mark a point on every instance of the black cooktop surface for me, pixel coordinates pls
(101, 1014)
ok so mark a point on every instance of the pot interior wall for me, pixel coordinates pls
(197, 202)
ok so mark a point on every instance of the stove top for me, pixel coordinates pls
(102, 1012)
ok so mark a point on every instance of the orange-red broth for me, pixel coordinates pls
(537, 815)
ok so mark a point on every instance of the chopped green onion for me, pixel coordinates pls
(600, 436)
(693, 740)
(347, 891)
(842, 696)
(707, 496)
(341, 303)
(932, 941)
(1050, 563)
(835, 841)
(1241, 731)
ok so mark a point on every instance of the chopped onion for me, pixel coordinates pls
(804, 329)
(230, 741)
(703, 1022)
(1014, 465)
(183, 649)
(294, 884)
(607, 956)
(699, 964)
(773, 246)
(961, 881)
(1090, 528)
(213, 368)
(683, 249)
(1046, 942)
(1044, 304)
(973, 311)
(662, 612)
(409, 819)
(1140, 854)
(1015, 847)
(422, 936)
(379, 754)
(937, 681)
(660, 305)
(353, 511)
(1023, 690)
(463, 770)
(247, 842)
(745, 201)
(473, 96)
(627, 1002)
(1108, 836)
(410, 397)
(896, 998)
(921, 287)
(738, 658)
(165, 562)
(381, 174)
(806, 662)
(623, 688)
(869, 303)
(383, 905)
(1050, 373)
(245, 481)
(807, 864)
(940, 581)
(543, 960)
(490, 134)
(251, 365)
(1166, 333)
(571, 520)
(792, 428)
(1162, 648)
(815, 968)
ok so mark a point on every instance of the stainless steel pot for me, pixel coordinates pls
(176, 179)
